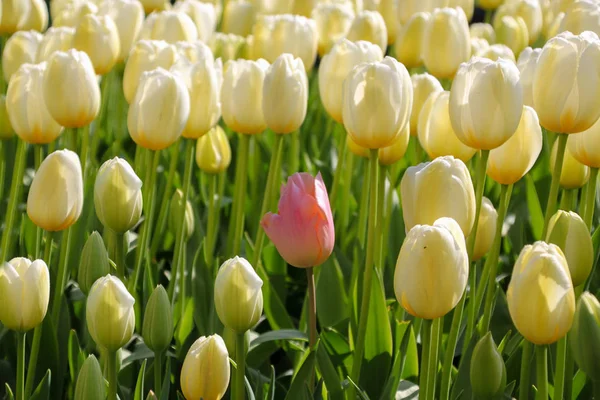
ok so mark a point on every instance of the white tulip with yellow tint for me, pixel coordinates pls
(585, 146)
(369, 26)
(424, 85)
(574, 174)
(20, 48)
(98, 36)
(170, 26)
(497, 51)
(72, 13)
(37, 18)
(205, 371)
(483, 30)
(55, 39)
(239, 17)
(527, 62)
(407, 8)
(393, 153)
(486, 229)
(128, 16)
(333, 23)
(13, 14)
(581, 16)
(204, 16)
(529, 10)
(512, 31)
(213, 152)
(409, 44)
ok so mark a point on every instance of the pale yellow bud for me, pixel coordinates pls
(99, 38)
(213, 153)
(483, 31)
(333, 23)
(128, 16)
(468, 6)
(239, 17)
(540, 294)
(436, 189)
(170, 26)
(20, 48)
(408, 8)
(574, 174)
(55, 39)
(72, 14)
(393, 153)
(24, 292)
(37, 19)
(529, 10)
(205, 371)
(497, 51)
(585, 146)
(356, 149)
(13, 14)
(409, 44)
(424, 85)
(581, 16)
(527, 63)
(418, 266)
(513, 33)
(191, 53)
(486, 229)
(159, 111)
(228, 46)
(204, 16)
(55, 197)
(369, 26)
(478, 45)
(510, 162)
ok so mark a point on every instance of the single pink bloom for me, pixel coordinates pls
(303, 229)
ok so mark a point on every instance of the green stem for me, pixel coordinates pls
(369, 267)
(20, 366)
(212, 217)
(379, 263)
(525, 371)
(38, 153)
(472, 303)
(567, 198)
(312, 317)
(479, 188)
(240, 195)
(541, 356)
(2, 170)
(157, 372)
(83, 154)
(240, 359)
(339, 169)
(112, 374)
(13, 201)
(590, 198)
(451, 348)
(569, 367)
(363, 215)
(119, 247)
(553, 196)
(294, 154)
(65, 249)
(346, 191)
(559, 374)
(436, 328)
(487, 18)
(424, 367)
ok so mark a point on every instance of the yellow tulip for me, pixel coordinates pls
(14, 14)
(303, 7)
(409, 44)
(529, 10)
(21, 48)
(213, 153)
(468, 6)
(581, 16)
(204, 16)
(356, 149)
(490, 4)
(205, 371)
(176, 218)
(333, 23)
(407, 8)
(154, 5)
(73, 12)
(497, 51)
(424, 85)
(191, 53)
(128, 16)
(483, 31)
(486, 229)
(526, 63)
(585, 146)
(540, 294)
(512, 31)
(37, 18)
(388, 10)
(574, 174)
(239, 17)
(170, 26)
(369, 26)
(99, 38)
(55, 39)
(393, 153)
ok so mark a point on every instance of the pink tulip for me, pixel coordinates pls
(303, 230)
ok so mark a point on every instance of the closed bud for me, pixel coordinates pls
(55, 197)
(6, 129)
(486, 229)
(333, 23)
(128, 16)
(540, 295)
(13, 15)
(418, 266)
(24, 293)
(483, 30)
(571, 106)
(585, 146)
(409, 44)
(77, 104)
(574, 174)
(446, 42)
(393, 153)
(99, 38)
(335, 67)
(526, 63)
(356, 149)
(191, 53)
(569, 232)
(213, 152)
(510, 162)
(529, 10)
(204, 16)
(285, 94)
(21, 48)
(512, 31)
(436, 135)
(369, 26)
(151, 396)
(37, 19)
(26, 107)
(478, 45)
(205, 371)
(55, 39)
(407, 8)
(73, 12)
(109, 313)
(90, 382)
(584, 337)
(488, 372)
(94, 263)
(228, 46)
(581, 16)
(239, 17)
(238, 295)
(176, 209)
(158, 321)
(436, 189)
(118, 195)
(377, 102)
(424, 85)
(170, 26)
(149, 126)
(496, 52)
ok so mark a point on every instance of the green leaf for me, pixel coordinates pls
(186, 323)
(536, 216)
(578, 383)
(403, 334)
(281, 334)
(332, 300)
(330, 376)
(307, 368)
(407, 391)
(271, 395)
(166, 385)
(359, 392)
(139, 386)
(76, 355)
(462, 383)
(43, 390)
(9, 394)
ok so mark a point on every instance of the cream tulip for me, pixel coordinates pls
(99, 38)
(335, 67)
(510, 162)
(486, 102)
(388, 10)
(238, 295)
(26, 106)
(333, 23)
(358, 150)
(228, 46)
(205, 371)
(540, 295)
(436, 189)
(128, 16)
(409, 44)
(574, 174)
(486, 229)
(407, 8)
(14, 14)
(468, 6)
(566, 83)
(170, 26)
(478, 45)
(394, 152)
(213, 152)
(435, 130)
(581, 16)
(204, 16)
(192, 53)
(146, 55)
(242, 96)
(497, 51)
(77, 104)
(55, 39)
(483, 31)
(585, 146)
(285, 94)
(425, 287)
(72, 14)
(110, 315)
(239, 18)
(55, 197)
(446, 42)
(159, 111)
(24, 292)
(424, 85)
(529, 10)
(20, 48)
(118, 195)
(369, 26)
(151, 6)
(37, 18)
(527, 63)
(512, 31)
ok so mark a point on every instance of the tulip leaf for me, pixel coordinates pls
(462, 384)
(166, 385)
(271, 395)
(403, 333)
(281, 334)
(139, 386)
(249, 391)
(186, 323)
(43, 390)
(331, 378)
(536, 216)
(578, 383)
(361, 394)
(9, 394)
(76, 356)
(407, 391)
(332, 300)
(303, 375)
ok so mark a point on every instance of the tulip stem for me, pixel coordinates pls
(541, 353)
(239, 198)
(567, 199)
(368, 271)
(339, 168)
(590, 198)
(157, 373)
(85, 144)
(2, 169)
(65, 248)
(379, 257)
(525, 371)
(553, 196)
(346, 189)
(312, 307)
(559, 374)
(119, 249)
(112, 374)
(240, 359)
(38, 152)
(20, 365)
(364, 209)
(294, 153)
(569, 366)
(13, 201)
(209, 244)
(425, 359)
(432, 365)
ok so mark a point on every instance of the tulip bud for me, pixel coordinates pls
(99, 38)
(418, 266)
(483, 31)
(424, 85)
(567, 59)
(205, 371)
(377, 102)
(14, 14)
(190, 54)
(26, 107)
(239, 17)
(21, 48)
(333, 23)
(409, 44)
(393, 153)
(238, 295)
(369, 26)
(335, 67)
(529, 10)
(435, 130)
(204, 16)
(496, 52)
(228, 46)
(540, 295)
(151, 396)
(158, 321)
(486, 229)
(94, 263)
(358, 150)
(73, 12)
(213, 153)
(488, 372)
(387, 9)
(526, 63)
(486, 102)
(90, 382)
(146, 55)
(585, 146)
(37, 18)
(109, 313)
(585, 334)
(55, 197)
(118, 196)
(69, 110)
(241, 95)
(24, 293)
(175, 218)
(478, 45)
(513, 32)
(128, 16)
(407, 8)
(6, 129)
(574, 174)
(170, 26)
(55, 39)
(149, 125)
(581, 16)
(285, 94)
(446, 42)
(436, 189)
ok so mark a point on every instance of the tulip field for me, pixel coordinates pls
(299, 199)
